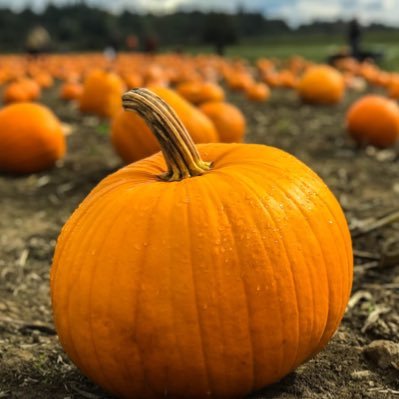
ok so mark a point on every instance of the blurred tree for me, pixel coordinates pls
(220, 30)
(76, 26)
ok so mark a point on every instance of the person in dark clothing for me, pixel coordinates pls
(37, 42)
(354, 36)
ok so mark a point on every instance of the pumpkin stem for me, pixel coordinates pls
(181, 154)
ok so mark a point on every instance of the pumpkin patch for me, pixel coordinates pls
(230, 223)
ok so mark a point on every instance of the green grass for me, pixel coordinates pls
(313, 47)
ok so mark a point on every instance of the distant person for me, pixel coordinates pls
(354, 37)
(132, 42)
(110, 53)
(37, 42)
(151, 44)
(112, 49)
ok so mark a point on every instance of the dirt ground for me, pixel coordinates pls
(33, 208)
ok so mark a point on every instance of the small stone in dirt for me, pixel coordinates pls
(383, 353)
(361, 374)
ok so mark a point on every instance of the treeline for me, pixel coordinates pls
(79, 26)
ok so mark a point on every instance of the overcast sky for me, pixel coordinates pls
(294, 11)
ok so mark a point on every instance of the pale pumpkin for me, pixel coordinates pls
(208, 276)
(132, 138)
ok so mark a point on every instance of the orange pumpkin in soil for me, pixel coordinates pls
(258, 92)
(228, 120)
(393, 89)
(31, 138)
(71, 91)
(31, 87)
(101, 94)
(132, 138)
(133, 80)
(15, 92)
(206, 271)
(374, 120)
(200, 92)
(240, 81)
(44, 80)
(321, 84)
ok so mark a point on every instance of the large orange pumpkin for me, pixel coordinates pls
(374, 119)
(31, 138)
(132, 138)
(211, 276)
(321, 84)
(101, 94)
(228, 120)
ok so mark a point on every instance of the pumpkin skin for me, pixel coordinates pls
(131, 137)
(393, 89)
(259, 92)
(15, 92)
(133, 140)
(102, 93)
(31, 87)
(31, 138)
(321, 84)
(22, 90)
(71, 91)
(44, 80)
(212, 286)
(200, 92)
(228, 120)
(374, 120)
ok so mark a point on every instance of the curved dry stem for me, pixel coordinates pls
(181, 155)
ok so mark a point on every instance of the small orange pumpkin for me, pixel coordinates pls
(321, 84)
(132, 139)
(31, 87)
(259, 92)
(71, 91)
(208, 271)
(375, 120)
(200, 92)
(228, 120)
(44, 80)
(101, 94)
(31, 138)
(393, 88)
(133, 80)
(15, 92)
